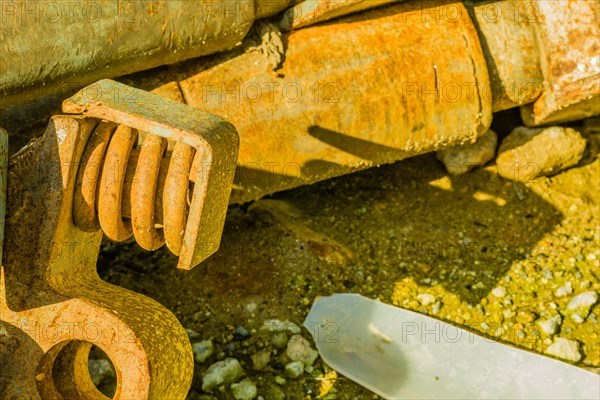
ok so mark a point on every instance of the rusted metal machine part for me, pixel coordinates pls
(506, 33)
(213, 140)
(310, 12)
(53, 305)
(350, 95)
(3, 176)
(568, 37)
(47, 46)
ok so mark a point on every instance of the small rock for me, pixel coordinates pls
(426, 298)
(526, 317)
(193, 335)
(527, 153)
(241, 333)
(436, 308)
(461, 159)
(280, 380)
(231, 347)
(577, 318)
(251, 307)
(566, 349)
(585, 284)
(261, 359)
(299, 349)
(294, 369)
(550, 326)
(99, 370)
(245, 390)
(274, 393)
(202, 350)
(279, 340)
(222, 372)
(499, 291)
(564, 290)
(581, 304)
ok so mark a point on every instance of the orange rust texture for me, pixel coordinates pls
(216, 148)
(506, 31)
(53, 305)
(568, 39)
(365, 90)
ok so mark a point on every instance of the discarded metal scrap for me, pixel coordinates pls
(53, 305)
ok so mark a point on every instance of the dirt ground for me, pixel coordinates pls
(390, 233)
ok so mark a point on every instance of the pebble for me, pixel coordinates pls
(585, 284)
(280, 380)
(525, 317)
(564, 290)
(299, 349)
(566, 349)
(499, 291)
(99, 370)
(463, 158)
(426, 298)
(193, 335)
(577, 318)
(550, 326)
(274, 393)
(241, 333)
(222, 372)
(245, 390)
(261, 359)
(294, 369)
(436, 308)
(202, 350)
(527, 153)
(231, 347)
(580, 305)
(279, 340)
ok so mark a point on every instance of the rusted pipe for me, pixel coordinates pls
(369, 89)
(53, 46)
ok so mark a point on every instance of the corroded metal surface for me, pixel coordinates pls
(3, 183)
(350, 95)
(47, 48)
(144, 191)
(216, 146)
(309, 12)
(568, 39)
(53, 305)
(506, 32)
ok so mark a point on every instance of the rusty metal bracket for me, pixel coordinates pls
(214, 140)
(53, 305)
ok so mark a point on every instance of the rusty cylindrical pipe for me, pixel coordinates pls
(369, 89)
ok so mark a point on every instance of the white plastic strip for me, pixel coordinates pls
(400, 354)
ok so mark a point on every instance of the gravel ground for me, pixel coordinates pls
(505, 259)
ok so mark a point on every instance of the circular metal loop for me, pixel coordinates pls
(110, 192)
(143, 193)
(175, 206)
(86, 185)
